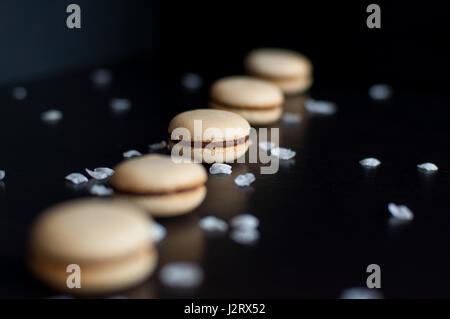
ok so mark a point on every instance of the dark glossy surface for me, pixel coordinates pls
(323, 217)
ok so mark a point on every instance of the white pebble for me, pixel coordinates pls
(19, 93)
(191, 81)
(292, 118)
(244, 221)
(245, 236)
(100, 172)
(282, 153)
(266, 146)
(2, 174)
(361, 293)
(427, 167)
(77, 178)
(158, 232)
(120, 105)
(400, 212)
(320, 107)
(213, 224)
(158, 146)
(380, 92)
(245, 179)
(51, 116)
(131, 153)
(370, 162)
(220, 168)
(101, 77)
(183, 275)
(101, 190)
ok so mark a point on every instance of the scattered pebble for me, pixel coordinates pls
(266, 146)
(220, 168)
(158, 146)
(244, 221)
(245, 179)
(19, 93)
(51, 116)
(120, 105)
(361, 293)
(158, 232)
(213, 224)
(282, 153)
(131, 153)
(320, 107)
(183, 275)
(400, 212)
(191, 81)
(427, 167)
(370, 162)
(101, 190)
(101, 77)
(380, 92)
(292, 118)
(77, 178)
(100, 172)
(245, 236)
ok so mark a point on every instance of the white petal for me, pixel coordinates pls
(292, 118)
(428, 167)
(213, 224)
(380, 91)
(120, 105)
(158, 146)
(244, 221)
(220, 168)
(283, 153)
(361, 293)
(51, 116)
(182, 275)
(77, 178)
(131, 153)
(245, 236)
(101, 190)
(320, 107)
(400, 211)
(2, 174)
(245, 179)
(370, 162)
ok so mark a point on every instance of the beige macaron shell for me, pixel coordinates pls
(210, 155)
(255, 116)
(90, 230)
(156, 174)
(216, 125)
(277, 63)
(246, 92)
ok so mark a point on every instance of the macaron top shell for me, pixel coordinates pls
(90, 230)
(216, 125)
(156, 173)
(246, 92)
(278, 63)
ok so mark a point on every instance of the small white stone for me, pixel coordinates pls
(101, 190)
(220, 168)
(292, 118)
(400, 212)
(120, 105)
(19, 93)
(2, 174)
(101, 77)
(361, 293)
(191, 81)
(131, 153)
(320, 107)
(245, 236)
(158, 146)
(51, 116)
(282, 153)
(182, 275)
(266, 146)
(370, 162)
(244, 221)
(158, 232)
(100, 172)
(213, 224)
(245, 179)
(77, 178)
(427, 167)
(380, 92)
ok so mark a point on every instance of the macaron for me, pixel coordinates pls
(289, 70)
(109, 240)
(258, 101)
(160, 185)
(207, 135)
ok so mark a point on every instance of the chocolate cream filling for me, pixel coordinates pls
(212, 145)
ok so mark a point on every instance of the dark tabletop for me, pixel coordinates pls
(324, 218)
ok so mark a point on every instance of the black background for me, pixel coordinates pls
(323, 218)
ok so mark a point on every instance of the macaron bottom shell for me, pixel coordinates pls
(211, 155)
(255, 116)
(293, 86)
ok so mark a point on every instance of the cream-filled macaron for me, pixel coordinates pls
(289, 70)
(206, 135)
(160, 185)
(258, 101)
(110, 242)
